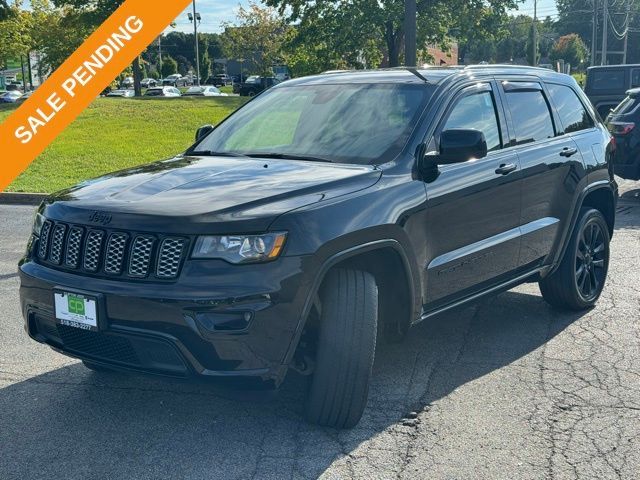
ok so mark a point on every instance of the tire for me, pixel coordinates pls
(579, 280)
(95, 367)
(346, 349)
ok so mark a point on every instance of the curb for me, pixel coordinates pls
(33, 199)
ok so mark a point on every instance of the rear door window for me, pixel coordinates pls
(572, 113)
(530, 115)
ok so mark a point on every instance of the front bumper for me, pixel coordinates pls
(216, 320)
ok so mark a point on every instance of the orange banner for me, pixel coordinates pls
(79, 80)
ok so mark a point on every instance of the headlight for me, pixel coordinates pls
(37, 224)
(240, 248)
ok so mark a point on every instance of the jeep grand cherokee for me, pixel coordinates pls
(326, 211)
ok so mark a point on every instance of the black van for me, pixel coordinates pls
(607, 86)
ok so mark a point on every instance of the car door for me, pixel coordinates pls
(472, 235)
(548, 159)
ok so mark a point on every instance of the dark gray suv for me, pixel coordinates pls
(326, 213)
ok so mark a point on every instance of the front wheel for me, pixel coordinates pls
(346, 349)
(579, 280)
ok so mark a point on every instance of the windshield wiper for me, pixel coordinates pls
(210, 153)
(287, 156)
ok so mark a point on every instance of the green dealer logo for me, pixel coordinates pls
(76, 305)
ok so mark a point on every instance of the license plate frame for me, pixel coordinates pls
(77, 309)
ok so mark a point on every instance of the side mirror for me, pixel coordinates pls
(457, 146)
(203, 132)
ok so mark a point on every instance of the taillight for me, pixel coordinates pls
(621, 128)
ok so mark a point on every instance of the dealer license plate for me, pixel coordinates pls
(75, 310)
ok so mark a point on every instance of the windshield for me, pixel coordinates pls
(345, 123)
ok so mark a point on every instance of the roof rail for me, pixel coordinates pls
(510, 66)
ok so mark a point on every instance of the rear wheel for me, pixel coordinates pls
(346, 349)
(579, 280)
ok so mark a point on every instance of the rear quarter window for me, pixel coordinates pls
(573, 114)
(607, 80)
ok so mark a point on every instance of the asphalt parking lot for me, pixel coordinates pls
(507, 389)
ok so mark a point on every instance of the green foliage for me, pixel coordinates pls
(15, 34)
(260, 35)
(571, 49)
(350, 29)
(4, 10)
(169, 66)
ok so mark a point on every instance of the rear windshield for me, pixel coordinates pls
(609, 80)
(628, 105)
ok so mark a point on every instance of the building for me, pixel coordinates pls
(440, 58)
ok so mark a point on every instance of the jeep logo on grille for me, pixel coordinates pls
(101, 218)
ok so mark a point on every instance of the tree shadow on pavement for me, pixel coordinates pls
(73, 423)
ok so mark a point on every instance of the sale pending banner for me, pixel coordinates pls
(79, 80)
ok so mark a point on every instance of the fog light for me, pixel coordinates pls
(224, 322)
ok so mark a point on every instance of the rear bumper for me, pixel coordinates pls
(222, 322)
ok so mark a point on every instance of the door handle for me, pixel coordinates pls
(568, 152)
(506, 168)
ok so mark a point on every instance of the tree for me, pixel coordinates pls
(260, 35)
(4, 10)
(93, 13)
(571, 49)
(169, 66)
(358, 24)
(15, 35)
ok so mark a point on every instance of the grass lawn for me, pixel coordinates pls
(113, 134)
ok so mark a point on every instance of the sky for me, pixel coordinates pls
(214, 12)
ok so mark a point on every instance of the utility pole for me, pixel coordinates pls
(195, 18)
(605, 31)
(594, 34)
(160, 56)
(535, 33)
(410, 41)
(626, 35)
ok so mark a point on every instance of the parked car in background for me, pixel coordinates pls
(255, 85)
(163, 92)
(221, 80)
(122, 93)
(15, 86)
(24, 97)
(387, 198)
(624, 125)
(149, 83)
(607, 86)
(176, 80)
(126, 83)
(206, 91)
(10, 97)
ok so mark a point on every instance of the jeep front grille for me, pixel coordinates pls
(111, 253)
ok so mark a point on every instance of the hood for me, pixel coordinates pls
(210, 194)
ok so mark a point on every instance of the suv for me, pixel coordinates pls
(221, 80)
(175, 80)
(606, 86)
(381, 199)
(254, 85)
(624, 125)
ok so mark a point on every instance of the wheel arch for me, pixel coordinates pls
(374, 257)
(599, 195)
